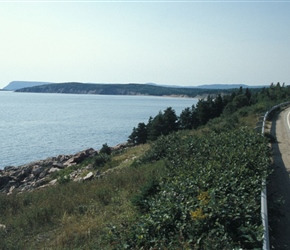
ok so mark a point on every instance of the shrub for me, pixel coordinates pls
(106, 149)
(140, 200)
(101, 159)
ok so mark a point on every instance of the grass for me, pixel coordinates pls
(76, 215)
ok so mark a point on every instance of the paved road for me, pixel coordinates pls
(279, 183)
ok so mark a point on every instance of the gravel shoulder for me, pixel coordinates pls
(279, 183)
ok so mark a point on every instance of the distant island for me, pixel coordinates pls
(121, 89)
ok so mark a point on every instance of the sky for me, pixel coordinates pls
(186, 43)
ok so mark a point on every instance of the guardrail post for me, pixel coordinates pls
(264, 208)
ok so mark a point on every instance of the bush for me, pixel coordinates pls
(140, 200)
(101, 159)
(161, 148)
(106, 149)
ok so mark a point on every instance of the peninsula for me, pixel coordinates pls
(125, 89)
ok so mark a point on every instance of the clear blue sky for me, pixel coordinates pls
(184, 43)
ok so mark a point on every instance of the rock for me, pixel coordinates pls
(53, 169)
(91, 152)
(79, 157)
(36, 170)
(34, 174)
(10, 168)
(43, 173)
(69, 162)
(4, 180)
(62, 158)
(89, 176)
(40, 182)
(26, 188)
(11, 190)
(12, 183)
(53, 182)
(58, 165)
(29, 178)
(120, 146)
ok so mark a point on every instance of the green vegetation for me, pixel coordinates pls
(241, 103)
(210, 198)
(119, 89)
(192, 186)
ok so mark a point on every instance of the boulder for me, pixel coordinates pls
(58, 165)
(10, 168)
(12, 183)
(120, 146)
(89, 176)
(44, 172)
(80, 157)
(53, 182)
(40, 182)
(29, 178)
(69, 162)
(11, 190)
(4, 180)
(37, 170)
(53, 169)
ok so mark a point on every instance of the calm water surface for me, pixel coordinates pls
(36, 126)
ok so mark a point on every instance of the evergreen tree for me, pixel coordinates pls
(170, 121)
(155, 127)
(185, 119)
(203, 111)
(218, 105)
(139, 134)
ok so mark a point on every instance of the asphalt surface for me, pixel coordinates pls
(279, 183)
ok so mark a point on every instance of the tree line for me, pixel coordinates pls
(206, 109)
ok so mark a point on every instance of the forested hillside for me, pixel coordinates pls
(189, 182)
(208, 109)
(120, 89)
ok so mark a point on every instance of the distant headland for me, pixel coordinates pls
(121, 89)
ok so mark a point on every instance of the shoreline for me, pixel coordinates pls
(133, 94)
(39, 174)
(122, 144)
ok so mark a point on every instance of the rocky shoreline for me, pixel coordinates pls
(38, 174)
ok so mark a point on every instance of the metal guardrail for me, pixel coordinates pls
(264, 208)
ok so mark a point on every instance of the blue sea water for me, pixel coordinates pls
(35, 126)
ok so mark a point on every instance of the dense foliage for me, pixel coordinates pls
(207, 109)
(211, 197)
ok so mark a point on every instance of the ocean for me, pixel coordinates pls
(35, 126)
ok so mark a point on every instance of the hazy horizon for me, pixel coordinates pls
(185, 43)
